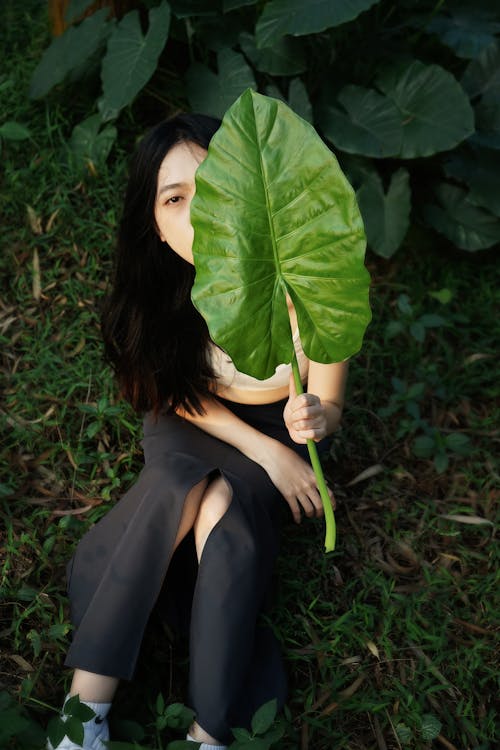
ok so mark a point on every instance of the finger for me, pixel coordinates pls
(315, 435)
(294, 507)
(306, 400)
(307, 505)
(314, 412)
(315, 498)
(315, 423)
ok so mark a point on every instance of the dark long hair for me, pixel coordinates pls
(154, 338)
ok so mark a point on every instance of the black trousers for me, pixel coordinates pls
(121, 565)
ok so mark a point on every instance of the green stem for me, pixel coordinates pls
(331, 532)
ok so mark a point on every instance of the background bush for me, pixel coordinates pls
(407, 93)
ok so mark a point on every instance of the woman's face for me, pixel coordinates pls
(174, 191)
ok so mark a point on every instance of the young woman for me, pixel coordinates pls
(224, 454)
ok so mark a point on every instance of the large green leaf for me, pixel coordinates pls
(386, 215)
(298, 98)
(14, 131)
(89, 144)
(228, 5)
(296, 17)
(483, 74)
(285, 58)
(69, 52)
(272, 214)
(370, 124)
(435, 111)
(131, 57)
(212, 93)
(466, 225)
(479, 170)
(467, 31)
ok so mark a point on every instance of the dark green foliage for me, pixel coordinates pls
(410, 89)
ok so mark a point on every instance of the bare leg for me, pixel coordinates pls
(199, 734)
(98, 688)
(214, 503)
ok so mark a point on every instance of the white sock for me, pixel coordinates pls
(95, 730)
(205, 745)
(101, 710)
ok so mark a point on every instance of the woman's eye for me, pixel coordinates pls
(174, 199)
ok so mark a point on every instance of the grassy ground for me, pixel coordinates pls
(389, 640)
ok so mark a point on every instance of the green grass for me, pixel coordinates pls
(401, 621)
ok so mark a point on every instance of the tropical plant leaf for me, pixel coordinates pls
(212, 93)
(370, 124)
(14, 131)
(90, 144)
(435, 112)
(466, 225)
(386, 215)
(233, 4)
(298, 99)
(281, 17)
(479, 170)
(69, 52)
(488, 120)
(131, 57)
(272, 214)
(286, 57)
(467, 31)
(483, 74)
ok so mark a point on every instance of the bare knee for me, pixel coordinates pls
(190, 510)
(214, 503)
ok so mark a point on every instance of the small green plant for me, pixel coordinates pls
(13, 131)
(439, 447)
(15, 724)
(405, 398)
(410, 323)
(265, 731)
(427, 728)
(70, 722)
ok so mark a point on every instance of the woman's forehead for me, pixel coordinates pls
(181, 163)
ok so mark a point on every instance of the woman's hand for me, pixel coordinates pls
(305, 416)
(295, 479)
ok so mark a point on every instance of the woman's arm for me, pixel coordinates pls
(292, 476)
(317, 413)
